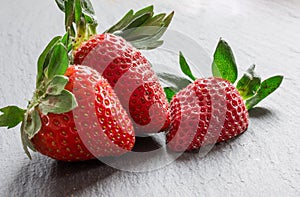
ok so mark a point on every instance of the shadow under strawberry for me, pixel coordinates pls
(209, 151)
(255, 113)
(259, 112)
(146, 144)
(46, 177)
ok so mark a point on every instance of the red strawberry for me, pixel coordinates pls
(132, 78)
(212, 110)
(125, 68)
(98, 127)
(207, 111)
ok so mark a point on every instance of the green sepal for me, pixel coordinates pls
(67, 42)
(143, 29)
(61, 4)
(267, 87)
(249, 84)
(89, 15)
(87, 7)
(11, 117)
(132, 23)
(224, 65)
(138, 18)
(185, 68)
(170, 93)
(77, 12)
(136, 23)
(32, 123)
(122, 23)
(148, 45)
(59, 61)
(25, 141)
(58, 104)
(150, 27)
(150, 39)
(69, 15)
(65, 39)
(81, 13)
(57, 85)
(44, 59)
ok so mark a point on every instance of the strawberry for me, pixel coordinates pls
(132, 78)
(118, 60)
(211, 110)
(216, 113)
(74, 114)
(81, 134)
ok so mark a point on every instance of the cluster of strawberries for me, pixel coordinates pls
(95, 92)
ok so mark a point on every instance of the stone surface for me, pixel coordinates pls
(265, 161)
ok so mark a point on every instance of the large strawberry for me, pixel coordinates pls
(211, 110)
(125, 68)
(132, 78)
(74, 114)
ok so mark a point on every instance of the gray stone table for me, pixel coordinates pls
(265, 161)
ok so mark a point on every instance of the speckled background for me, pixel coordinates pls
(265, 161)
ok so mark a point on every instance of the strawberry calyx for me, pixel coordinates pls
(252, 89)
(143, 29)
(80, 20)
(50, 95)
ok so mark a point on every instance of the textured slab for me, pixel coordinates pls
(265, 161)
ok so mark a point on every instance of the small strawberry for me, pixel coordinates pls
(212, 110)
(125, 68)
(216, 109)
(72, 117)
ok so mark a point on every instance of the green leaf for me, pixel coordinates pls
(131, 20)
(122, 23)
(59, 61)
(166, 22)
(267, 87)
(65, 39)
(168, 19)
(148, 41)
(149, 29)
(156, 20)
(249, 84)
(11, 117)
(153, 45)
(142, 29)
(87, 7)
(224, 65)
(61, 4)
(25, 141)
(57, 85)
(42, 62)
(169, 93)
(33, 123)
(138, 21)
(69, 14)
(58, 104)
(78, 11)
(146, 10)
(185, 68)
